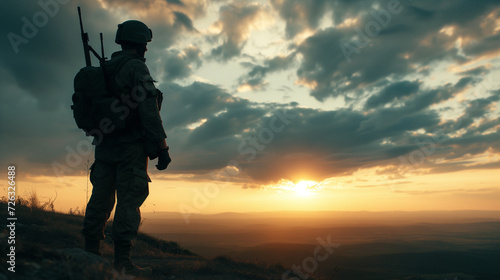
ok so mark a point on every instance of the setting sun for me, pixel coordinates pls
(304, 188)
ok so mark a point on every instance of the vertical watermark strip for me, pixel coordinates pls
(11, 218)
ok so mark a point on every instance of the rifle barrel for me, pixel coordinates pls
(85, 40)
(80, 17)
(103, 58)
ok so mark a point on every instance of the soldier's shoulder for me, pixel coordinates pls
(135, 63)
(126, 59)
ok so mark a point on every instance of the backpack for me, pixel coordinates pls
(93, 101)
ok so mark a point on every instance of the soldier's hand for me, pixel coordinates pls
(163, 159)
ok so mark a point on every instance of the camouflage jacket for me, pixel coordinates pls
(131, 80)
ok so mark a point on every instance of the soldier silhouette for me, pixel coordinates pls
(121, 156)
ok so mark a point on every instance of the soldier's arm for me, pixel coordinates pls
(149, 114)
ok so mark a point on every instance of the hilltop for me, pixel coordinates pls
(48, 246)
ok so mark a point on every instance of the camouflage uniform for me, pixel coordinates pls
(121, 159)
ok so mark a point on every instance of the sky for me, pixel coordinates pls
(272, 104)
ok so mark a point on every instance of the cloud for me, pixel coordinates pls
(36, 64)
(158, 9)
(255, 79)
(236, 20)
(413, 113)
(205, 125)
(392, 92)
(339, 60)
(299, 15)
(317, 145)
(477, 71)
(179, 65)
(175, 2)
(476, 109)
(186, 105)
(184, 20)
(167, 19)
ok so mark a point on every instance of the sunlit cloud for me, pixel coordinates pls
(236, 22)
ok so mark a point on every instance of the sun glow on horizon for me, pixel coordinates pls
(304, 188)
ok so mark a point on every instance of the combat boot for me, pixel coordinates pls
(92, 246)
(124, 265)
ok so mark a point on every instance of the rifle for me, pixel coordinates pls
(88, 48)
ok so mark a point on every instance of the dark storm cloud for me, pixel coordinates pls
(299, 15)
(413, 112)
(487, 45)
(303, 15)
(256, 77)
(235, 21)
(392, 92)
(190, 104)
(179, 65)
(478, 71)
(238, 116)
(39, 56)
(476, 109)
(184, 20)
(436, 95)
(175, 2)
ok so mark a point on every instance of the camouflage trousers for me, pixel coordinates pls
(120, 169)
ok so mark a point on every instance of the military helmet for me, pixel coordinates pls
(133, 31)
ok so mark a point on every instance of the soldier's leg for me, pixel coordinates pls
(101, 202)
(131, 190)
